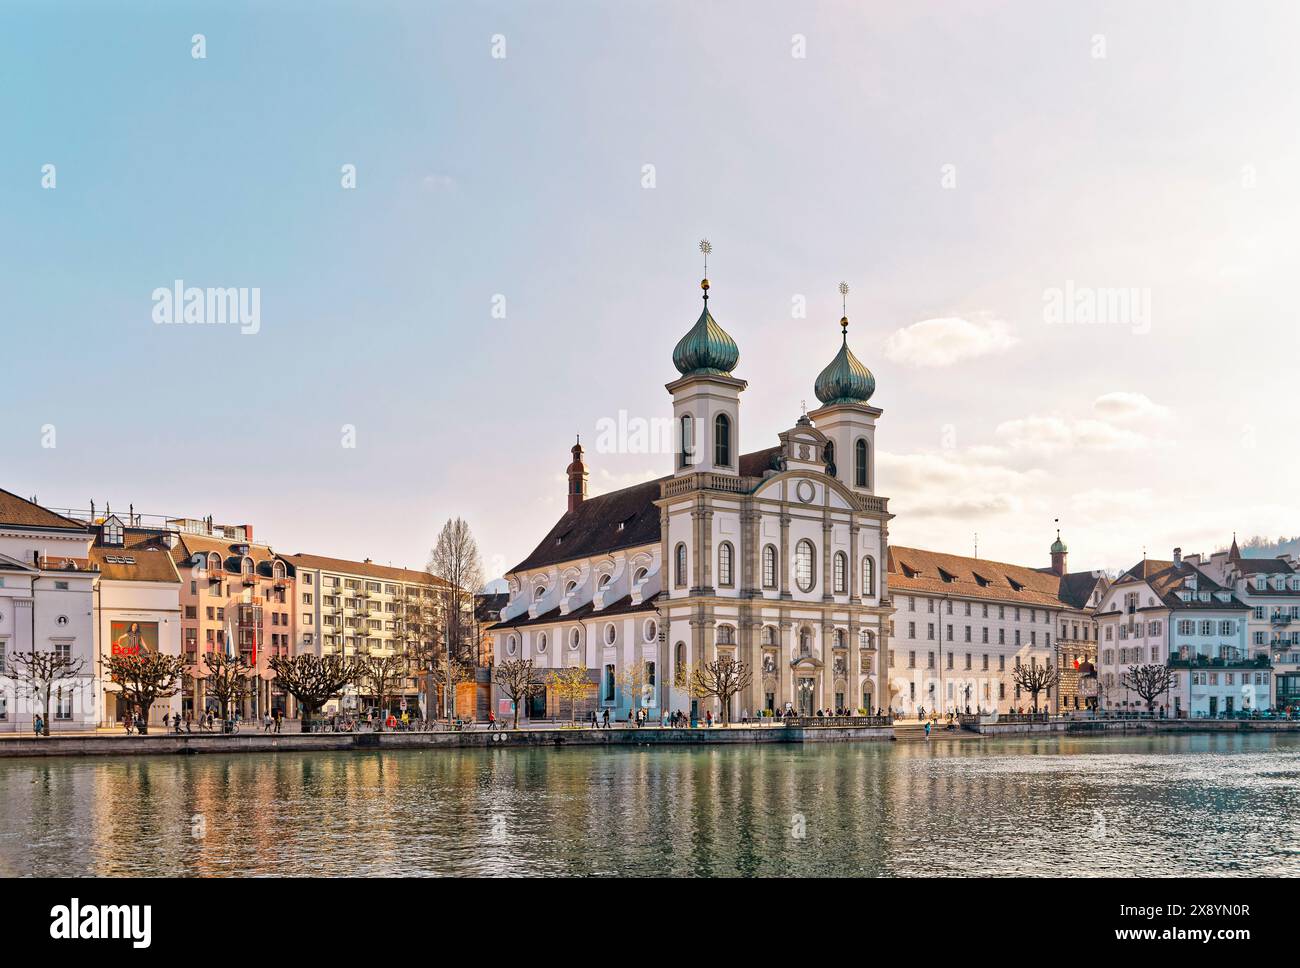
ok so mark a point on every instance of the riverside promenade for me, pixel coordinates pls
(849, 729)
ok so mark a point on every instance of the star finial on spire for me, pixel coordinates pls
(844, 309)
(706, 247)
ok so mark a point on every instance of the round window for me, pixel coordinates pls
(541, 642)
(611, 634)
(574, 639)
(511, 645)
(650, 630)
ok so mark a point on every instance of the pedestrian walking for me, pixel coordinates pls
(927, 729)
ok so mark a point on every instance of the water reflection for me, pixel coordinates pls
(1161, 805)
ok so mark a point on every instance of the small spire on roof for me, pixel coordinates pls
(844, 311)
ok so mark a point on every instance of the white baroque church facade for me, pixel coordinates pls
(776, 557)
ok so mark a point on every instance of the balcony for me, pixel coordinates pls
(250, 580)
(1280, 619)
(1209, 662)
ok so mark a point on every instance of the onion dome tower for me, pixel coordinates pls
(846, 416)
(706, 397)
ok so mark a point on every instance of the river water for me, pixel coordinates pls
(1164, 805)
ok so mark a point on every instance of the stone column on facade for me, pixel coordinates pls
(827, 676)
(828, 576)
(785, 554)
(785, 655)
(706, 533)
(855, 576)
(853, 688)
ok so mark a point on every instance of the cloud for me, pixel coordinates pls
(1121, 407)
(948, 339)
(1045, 435)
(952, 486)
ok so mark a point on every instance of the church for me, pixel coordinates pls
(773, 557)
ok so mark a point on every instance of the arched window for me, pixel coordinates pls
(639, 577)
(841, 573)
(688, 440)
(722, 440)
(539, 593)
(769, 635)
(868, 576)
(604, 580)
(725, 555)
(804, 574)
(679, 566)
(679, 664)
(860, 475)
(828, 455)
(864, 639)
(568, 589)
(841, 638)
(769, 566)
(726, 635)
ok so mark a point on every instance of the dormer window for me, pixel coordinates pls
(980, 579)
(909, 571)
(1015, 585)
(604, 580)
(113, 531)
(539, 593)
(946, 576)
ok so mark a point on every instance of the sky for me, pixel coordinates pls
(1068, 231)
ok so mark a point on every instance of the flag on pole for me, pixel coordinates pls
(230, 641)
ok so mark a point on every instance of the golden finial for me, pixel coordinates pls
(706, 247)
(844, 307)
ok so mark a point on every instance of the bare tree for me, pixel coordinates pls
(314, 680)
(1148, 681)
(455, 561)
(228, 680)
(720, 679)
(432, 663)
(145, 678)
(1034, 678)
(42, 674)
(383, 674)
(518, 681)
(571, 683)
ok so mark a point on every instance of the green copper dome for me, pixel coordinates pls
(706, 348)
(846, 380)
(1058, 546)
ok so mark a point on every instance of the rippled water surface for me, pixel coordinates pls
(1162, 806)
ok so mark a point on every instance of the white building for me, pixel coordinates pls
(46, 591)
(359, 608)
(774, 557)
(137, 607)
(1271, 588)
(1171, 613)
(963, 625)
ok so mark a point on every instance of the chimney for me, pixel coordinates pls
(577, 472)
(1178, 556)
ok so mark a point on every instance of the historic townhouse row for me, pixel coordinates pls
(89, 585)
(779, 558)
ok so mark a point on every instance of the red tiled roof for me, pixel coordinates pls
(18, 512)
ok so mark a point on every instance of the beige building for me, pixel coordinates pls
(359, 608)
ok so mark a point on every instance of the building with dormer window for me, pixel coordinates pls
(775, 557)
